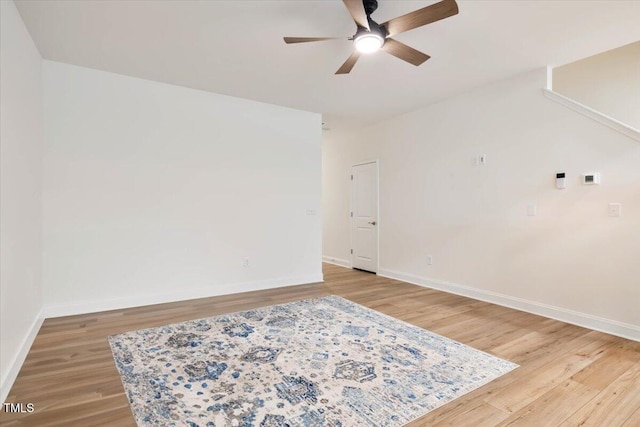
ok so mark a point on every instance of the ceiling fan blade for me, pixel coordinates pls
(356, 9)
(289, 40)
(349, 63)
(404, 52)
(420, 17)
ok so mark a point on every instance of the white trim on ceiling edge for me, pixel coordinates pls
(336, 261)
(85, 307)
(18, 360)
(608, 326)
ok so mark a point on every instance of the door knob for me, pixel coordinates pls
(372, 222)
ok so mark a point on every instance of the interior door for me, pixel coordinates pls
(364, 216)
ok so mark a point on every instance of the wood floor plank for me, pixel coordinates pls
(460, 411)
(568, 375)
(633, 420)
(608, 368)
(615, 404)
(546, 378)
(553, 407)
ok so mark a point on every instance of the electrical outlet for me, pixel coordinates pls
(615, 209)
(245, 263)
(429, 260)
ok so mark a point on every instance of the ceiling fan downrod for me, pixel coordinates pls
(370, 6)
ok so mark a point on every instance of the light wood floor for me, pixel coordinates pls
(568, 376)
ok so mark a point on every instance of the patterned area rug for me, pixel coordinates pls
(317, 362)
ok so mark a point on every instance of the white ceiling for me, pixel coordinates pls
(236, 48)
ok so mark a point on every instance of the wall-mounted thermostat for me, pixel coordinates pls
(591, 178)
(561, 180)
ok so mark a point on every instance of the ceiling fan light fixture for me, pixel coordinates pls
(371, 36)
(368, 42)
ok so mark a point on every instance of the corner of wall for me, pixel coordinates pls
(336, 261)
(15, 365)
(22, 143)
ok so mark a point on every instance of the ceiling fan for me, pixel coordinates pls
(371, 36)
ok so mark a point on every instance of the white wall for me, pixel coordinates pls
(156, 192)
(20, 192)
(571, 261)
(608, 82)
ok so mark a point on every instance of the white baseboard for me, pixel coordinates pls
(84, 307)
(16, 364)
(93, 306)
(608, 326)
(336, 261)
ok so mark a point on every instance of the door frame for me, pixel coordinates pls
(351, 204)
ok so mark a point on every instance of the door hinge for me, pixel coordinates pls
(351, 177)
(351, 251)
(352, 214)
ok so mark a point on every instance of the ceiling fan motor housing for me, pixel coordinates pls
(374, 27)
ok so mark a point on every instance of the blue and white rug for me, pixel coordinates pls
(317, 362)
